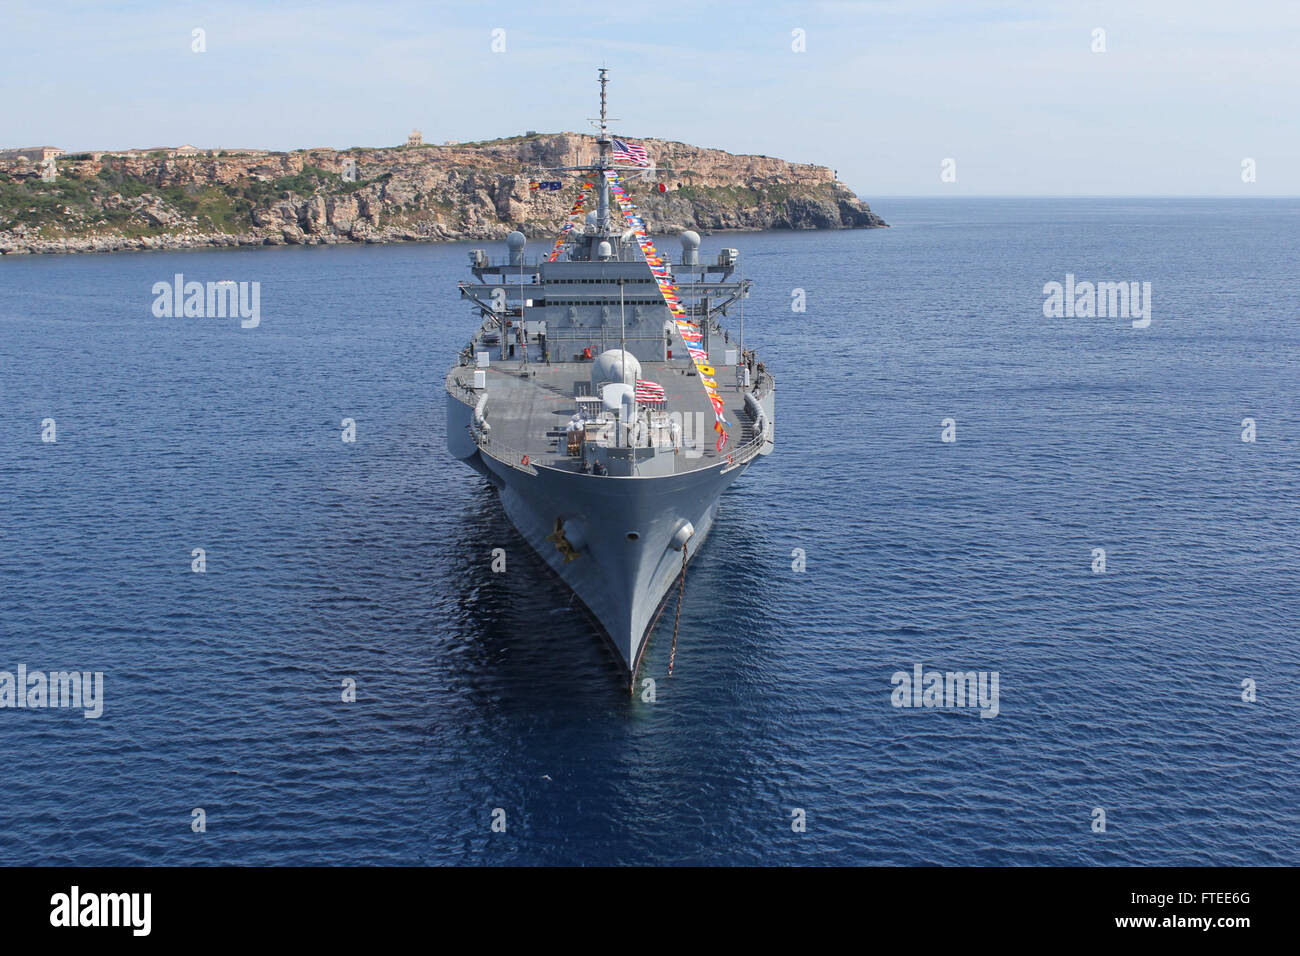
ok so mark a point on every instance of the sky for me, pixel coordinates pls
(1011, 94)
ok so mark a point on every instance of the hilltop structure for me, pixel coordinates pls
(37, 154)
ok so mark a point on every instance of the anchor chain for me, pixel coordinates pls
(672, 656)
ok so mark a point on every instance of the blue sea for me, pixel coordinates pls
(370, 562)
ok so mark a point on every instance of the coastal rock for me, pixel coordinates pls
(409, 193)
(341, 213)
(314, 218)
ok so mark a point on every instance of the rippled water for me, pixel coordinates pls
(370, 561)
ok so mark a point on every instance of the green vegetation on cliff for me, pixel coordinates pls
(70, 206)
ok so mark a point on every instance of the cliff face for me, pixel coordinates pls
(471, 191)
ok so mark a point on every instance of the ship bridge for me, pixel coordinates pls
(586, 302)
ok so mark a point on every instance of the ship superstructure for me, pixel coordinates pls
(604, 400)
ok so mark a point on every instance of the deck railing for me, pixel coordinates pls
(746, 452)
(506, 454)
(467, 393)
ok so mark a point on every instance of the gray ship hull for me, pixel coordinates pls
(621, 531)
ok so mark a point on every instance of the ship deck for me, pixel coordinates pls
(530, 403)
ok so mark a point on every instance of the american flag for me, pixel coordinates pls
(630, 153)
(649, 391)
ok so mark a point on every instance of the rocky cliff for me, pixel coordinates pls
(103, 202)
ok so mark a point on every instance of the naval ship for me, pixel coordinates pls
(604, 400)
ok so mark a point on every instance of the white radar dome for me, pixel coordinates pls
(615, 366)
(690, 247)
(515, 243)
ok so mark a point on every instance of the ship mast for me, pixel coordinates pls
(604, 143)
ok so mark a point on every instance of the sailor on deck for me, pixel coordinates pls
(572, 431)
